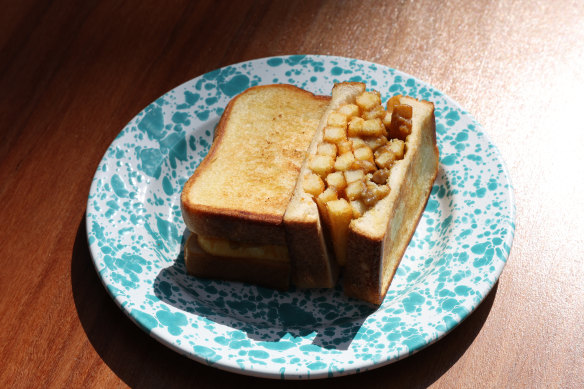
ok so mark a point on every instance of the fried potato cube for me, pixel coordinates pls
(337, 119)
(336, 179)
(355, 126)
(313, 184)
(329, 194)
(326, 148)
(344, 147)
(357, 143)
(340, 214)
(376, 112)
(321, 164)
(375, 142)
(401, 122)
(358, 208)
(393, 151)
(354, 175)
(334, 134)
(354, 190)
(368, 100)
(403, 110)
(387, 120)
(344, 161)
(392, 102)
(397, 147)
(372, 127)
(349, 110)
(363, 154)
(366, 166)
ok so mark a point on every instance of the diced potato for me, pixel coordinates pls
(358, 208)
(313, 184)
(344, 161)
(387, 120)
(375, 142)
(401, 122)
(337, 119)
(354, 189)
(368, 100)
(367, 166)
(376, 112)
(392, 102)
(336, 179)
(403, 110)
(334, 134)
(326, 148)
(384, 158)
(340, 214)
(357, 143)
(372, 127)
(329, 194)
(380, 177)
(363, 154)
(344, 147)
(354, 175)
(349, 109)
(355, 126)
(397, 147)
(321, 164)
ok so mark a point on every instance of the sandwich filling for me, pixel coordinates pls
(227, 248)
(350, 171)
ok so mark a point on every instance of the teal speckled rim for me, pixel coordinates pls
(135, 232)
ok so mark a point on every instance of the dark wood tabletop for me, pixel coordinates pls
(72, 74)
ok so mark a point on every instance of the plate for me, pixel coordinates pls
(136, 235)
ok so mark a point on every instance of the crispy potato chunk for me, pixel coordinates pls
(376, 112)
(344, 161)
(345, 147)
(375, 142)
(372, 127)
(337, 119)
(363, 154)
(349, 110)
(354, 190)
(368, 100)
(355, 126)
(336, 179)
(334, 134)
(322, 164)
(354, 175)
(367, 166)
(313, 184)
(326, 148)
(340, 214)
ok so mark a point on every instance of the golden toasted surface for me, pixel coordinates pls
(260, 145)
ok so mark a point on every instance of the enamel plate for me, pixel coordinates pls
(136, 236)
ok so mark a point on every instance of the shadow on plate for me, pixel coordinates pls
(141, 361)
(264, 314)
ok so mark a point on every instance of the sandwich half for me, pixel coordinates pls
(234, 203)
(369, 177)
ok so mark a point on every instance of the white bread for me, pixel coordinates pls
(242, 188)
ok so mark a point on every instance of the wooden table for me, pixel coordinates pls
(72, 74)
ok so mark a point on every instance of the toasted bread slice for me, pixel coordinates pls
(377, 240)
(310, 250)
(241, 189)
(259, 271)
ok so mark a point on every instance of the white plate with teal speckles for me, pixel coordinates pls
(136, 235)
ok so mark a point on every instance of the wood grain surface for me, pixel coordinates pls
(72, 74)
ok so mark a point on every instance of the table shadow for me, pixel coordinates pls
(141, 361)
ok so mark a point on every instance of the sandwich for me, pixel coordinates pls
(235, 201)
(351, 203)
